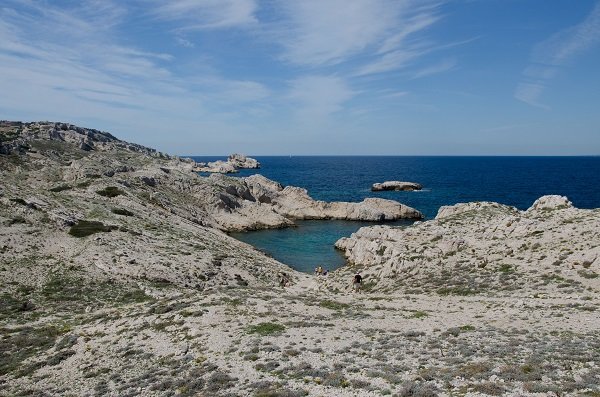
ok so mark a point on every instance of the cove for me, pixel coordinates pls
(309, 244)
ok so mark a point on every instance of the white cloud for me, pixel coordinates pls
(328, 31)
(441, 67)
(530, 93)
(78, 77)
(207, 14)
(390, 61)
(372, 32)
(548, 56)
(319, 96)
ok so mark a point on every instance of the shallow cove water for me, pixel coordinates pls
(516, 181)
(308, 245)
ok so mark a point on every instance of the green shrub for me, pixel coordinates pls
(60, 188)
(18, 201)
(110, 191)
(86, 228)
(333, 305)
(419, 314)
(122, 211)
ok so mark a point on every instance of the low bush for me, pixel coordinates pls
(110, 191)
(86, 228)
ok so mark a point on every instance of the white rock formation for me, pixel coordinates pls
(477, 247)
(241, 161)
(234, 163)
(396, 185)
(219, 166)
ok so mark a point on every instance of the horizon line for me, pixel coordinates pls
(398, 155)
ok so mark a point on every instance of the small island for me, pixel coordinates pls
(396, 185)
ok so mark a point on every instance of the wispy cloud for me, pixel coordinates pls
(443, 66)
(550, 55)
(319, 96)
(374, 33)
(206, 14)
(52, 75)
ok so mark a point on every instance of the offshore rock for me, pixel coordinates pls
(396, 185)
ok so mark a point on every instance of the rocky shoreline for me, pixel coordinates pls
(118, 278)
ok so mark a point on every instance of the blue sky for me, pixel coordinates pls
(402, 77)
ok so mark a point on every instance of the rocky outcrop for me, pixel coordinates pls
(484, 247)
(219, 167)
(240, 161)
(396, 185)
(257, 202)
(15, 137)
(234, 163)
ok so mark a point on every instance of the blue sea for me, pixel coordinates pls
(516, 181)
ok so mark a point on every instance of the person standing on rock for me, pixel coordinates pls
(357, 282)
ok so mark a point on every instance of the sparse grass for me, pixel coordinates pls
(505, 269)
(19, 344)
(333, 305)
(587, 274)
(266, 329)
(460, 291)
(419, 314)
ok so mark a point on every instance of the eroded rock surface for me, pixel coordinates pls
(484, 247)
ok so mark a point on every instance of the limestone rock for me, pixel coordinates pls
(219, 166)
(241, 161)
(551, 202)
(473, 248)
(233, 164)
(396, 185)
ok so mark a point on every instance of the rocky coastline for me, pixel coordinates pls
(117, 277)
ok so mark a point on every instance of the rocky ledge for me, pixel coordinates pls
(483, 247)
(234, 163)
(396, 185)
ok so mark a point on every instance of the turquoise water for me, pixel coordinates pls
(516, 181)
(308, 245)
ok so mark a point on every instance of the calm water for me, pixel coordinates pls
(515, 181)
